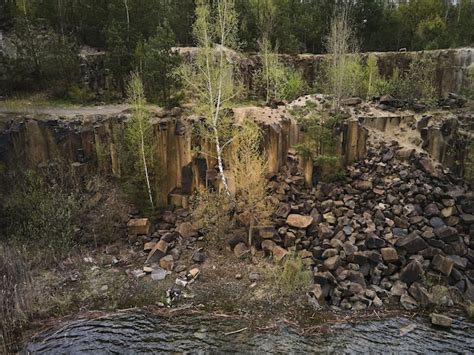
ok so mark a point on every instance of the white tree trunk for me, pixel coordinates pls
(145, 166)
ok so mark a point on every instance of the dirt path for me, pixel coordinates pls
(69, 111)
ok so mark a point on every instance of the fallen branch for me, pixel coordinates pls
(236, 331)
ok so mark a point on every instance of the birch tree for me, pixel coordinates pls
(210, 77)
(139, 130)
(265, 12)
(340, 44)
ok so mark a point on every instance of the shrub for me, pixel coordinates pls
(416, 83)
(374, 84)
(319, 140)
(293, 85)
(290, 275)
(41, 207)
(210, 212)
(80, 94)
(275, 80)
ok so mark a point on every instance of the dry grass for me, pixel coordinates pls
(32, 102)
(16, 298)
(469, 308)
(290, 276)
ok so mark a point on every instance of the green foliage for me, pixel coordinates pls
(80, 94)
(249, 167)
(139, 170)
(118, 58)
(41, 207)
(119, 27)
(210, 79)
(42, 60)
(276, 80)
(290, 275)
(210, 212)
(417, 83)
(159, 66)
(344, 72)
(374, 84)
(320, 141)
(293, 85)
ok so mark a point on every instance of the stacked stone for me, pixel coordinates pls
(392, 230)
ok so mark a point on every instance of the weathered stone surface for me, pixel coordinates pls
(441, 320)
(412, 243)
(445, 233)
(363, 185)
(442, 264)
(158, 251)
(332, 263)
(187, 230)
(441, 296)
(328, 253)
(139, 226)
(389, 255)
(267, 232)
(408, 302)
(240, 250)
(299, 221)
(167, 262)
(199, 256)
(374, 242)
(412, 272)
(279, 253)
(158, 274)
(421, 295)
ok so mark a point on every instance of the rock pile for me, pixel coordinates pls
(396, 231)
(164, 243)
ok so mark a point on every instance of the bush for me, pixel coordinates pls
(290, 275)
(319, 140)
(51, 209)
(275, 80)
(374, 84)
(210, 212)
(293, 85)
(40, 209)
(80, 94)
(417, 83)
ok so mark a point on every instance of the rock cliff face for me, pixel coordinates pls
(91, 143)
(452, 65)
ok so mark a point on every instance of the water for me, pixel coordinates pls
(142, 333)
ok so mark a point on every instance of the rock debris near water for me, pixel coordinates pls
(383, 235)
(397, 230)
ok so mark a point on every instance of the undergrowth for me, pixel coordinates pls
(290, 275)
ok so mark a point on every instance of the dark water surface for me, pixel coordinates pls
(139, 333)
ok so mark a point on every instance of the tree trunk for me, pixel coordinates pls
(145, 167)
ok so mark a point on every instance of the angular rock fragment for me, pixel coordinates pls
(442, 264)
(139, 226)
(441, 320)
(299, 221)
(411, 272)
